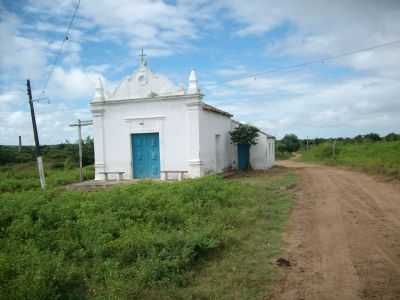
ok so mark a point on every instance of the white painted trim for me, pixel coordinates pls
(127, 119)
(195, 162)
(152, 99)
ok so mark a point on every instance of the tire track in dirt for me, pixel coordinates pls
(343, 237)
(375, 244)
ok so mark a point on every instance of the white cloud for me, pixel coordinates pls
(232, 71)
(160, 27)
(76, 84)
(304, 102)
(10, 97)
(72, 84)
(308, 105)
(19, 56)
(324, 28)
(366, 100)
(53, 123)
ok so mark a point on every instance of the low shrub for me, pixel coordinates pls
(114, 243)
(282, 155)
(24, 177)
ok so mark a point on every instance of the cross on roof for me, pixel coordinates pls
(142, 55)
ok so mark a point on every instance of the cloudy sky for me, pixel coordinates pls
(224, 41)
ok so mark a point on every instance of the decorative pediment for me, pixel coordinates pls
(144, 84)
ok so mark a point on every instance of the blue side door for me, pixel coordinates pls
(146, 155)
(243, 156)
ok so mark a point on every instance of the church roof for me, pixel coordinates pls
(262, 132)
(144, 84)
(210, 108)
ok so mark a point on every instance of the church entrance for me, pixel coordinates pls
(145, 155)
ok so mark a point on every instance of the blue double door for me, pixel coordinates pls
(146, 155)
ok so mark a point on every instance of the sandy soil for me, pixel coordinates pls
(343, 238)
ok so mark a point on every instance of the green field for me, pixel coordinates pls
(208, 238)
(24, 177)
(18, 171)
(380, 157)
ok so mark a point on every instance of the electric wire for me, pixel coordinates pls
(61, 49)
(305, 64)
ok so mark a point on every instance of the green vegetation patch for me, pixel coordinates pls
(24, 177)
(132, 241)
(375, 157)
(18, 169)
(244, 268)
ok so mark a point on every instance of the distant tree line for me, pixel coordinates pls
(64, 155)
(361, 138)
(291, 143)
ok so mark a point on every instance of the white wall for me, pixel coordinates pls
(262, 155)
(191, 139)
(122, 119)
(271, 151)
(211, 125)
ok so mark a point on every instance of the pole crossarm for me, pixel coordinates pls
(82, 123)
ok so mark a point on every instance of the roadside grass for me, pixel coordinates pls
(373, 157)
(283, 155)
(244, 268)
(24, 177)
(207, 238)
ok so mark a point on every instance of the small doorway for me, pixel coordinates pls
(243, 156)
(145, 155)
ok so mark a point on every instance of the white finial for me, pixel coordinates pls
(99, 94)
(193, 87)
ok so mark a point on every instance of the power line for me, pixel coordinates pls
(305, 64)
(85, 73)
(61, 49)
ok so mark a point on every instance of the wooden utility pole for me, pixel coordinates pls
(79, 124)
(334, 148)
(19, 143)
(39, 158)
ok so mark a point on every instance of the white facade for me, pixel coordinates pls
(193, 136)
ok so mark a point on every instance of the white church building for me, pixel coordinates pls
(147, 126)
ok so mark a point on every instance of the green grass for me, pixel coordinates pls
(244, 268)
(208, 238)
(24, 177)
(283, 155)
(374, 157)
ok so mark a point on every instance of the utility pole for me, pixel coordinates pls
(79, 124)
(334, 148)
(39, 158)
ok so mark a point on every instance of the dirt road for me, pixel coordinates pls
(343, 238)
